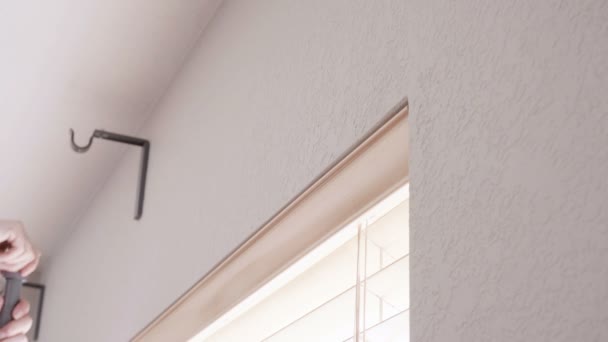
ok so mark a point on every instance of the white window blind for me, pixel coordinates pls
(353, 287)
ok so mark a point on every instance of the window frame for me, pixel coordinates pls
(306, 221)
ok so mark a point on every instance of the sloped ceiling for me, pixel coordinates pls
(86, 65)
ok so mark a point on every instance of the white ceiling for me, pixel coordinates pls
(86, 65)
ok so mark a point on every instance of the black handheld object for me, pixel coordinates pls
(12, 296)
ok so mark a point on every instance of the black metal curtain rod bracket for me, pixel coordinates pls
(125, 139)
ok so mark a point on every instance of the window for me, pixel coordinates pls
(332, 262)
(316, 298)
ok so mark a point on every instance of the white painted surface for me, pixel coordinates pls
(273, 94)
(508, 110)
(509, 165)
(86, 65)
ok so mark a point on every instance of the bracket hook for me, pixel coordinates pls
(125, 139)
(80, 149)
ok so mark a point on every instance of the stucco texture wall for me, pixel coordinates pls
(509, 170)
(508, 165)
(275, 91)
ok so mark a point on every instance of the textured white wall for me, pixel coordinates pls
(509, 162)
(274, 93)
(509, 170)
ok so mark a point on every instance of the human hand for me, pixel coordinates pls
(17, 254)
(15, 330)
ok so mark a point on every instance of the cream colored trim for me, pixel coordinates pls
(373, 169)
